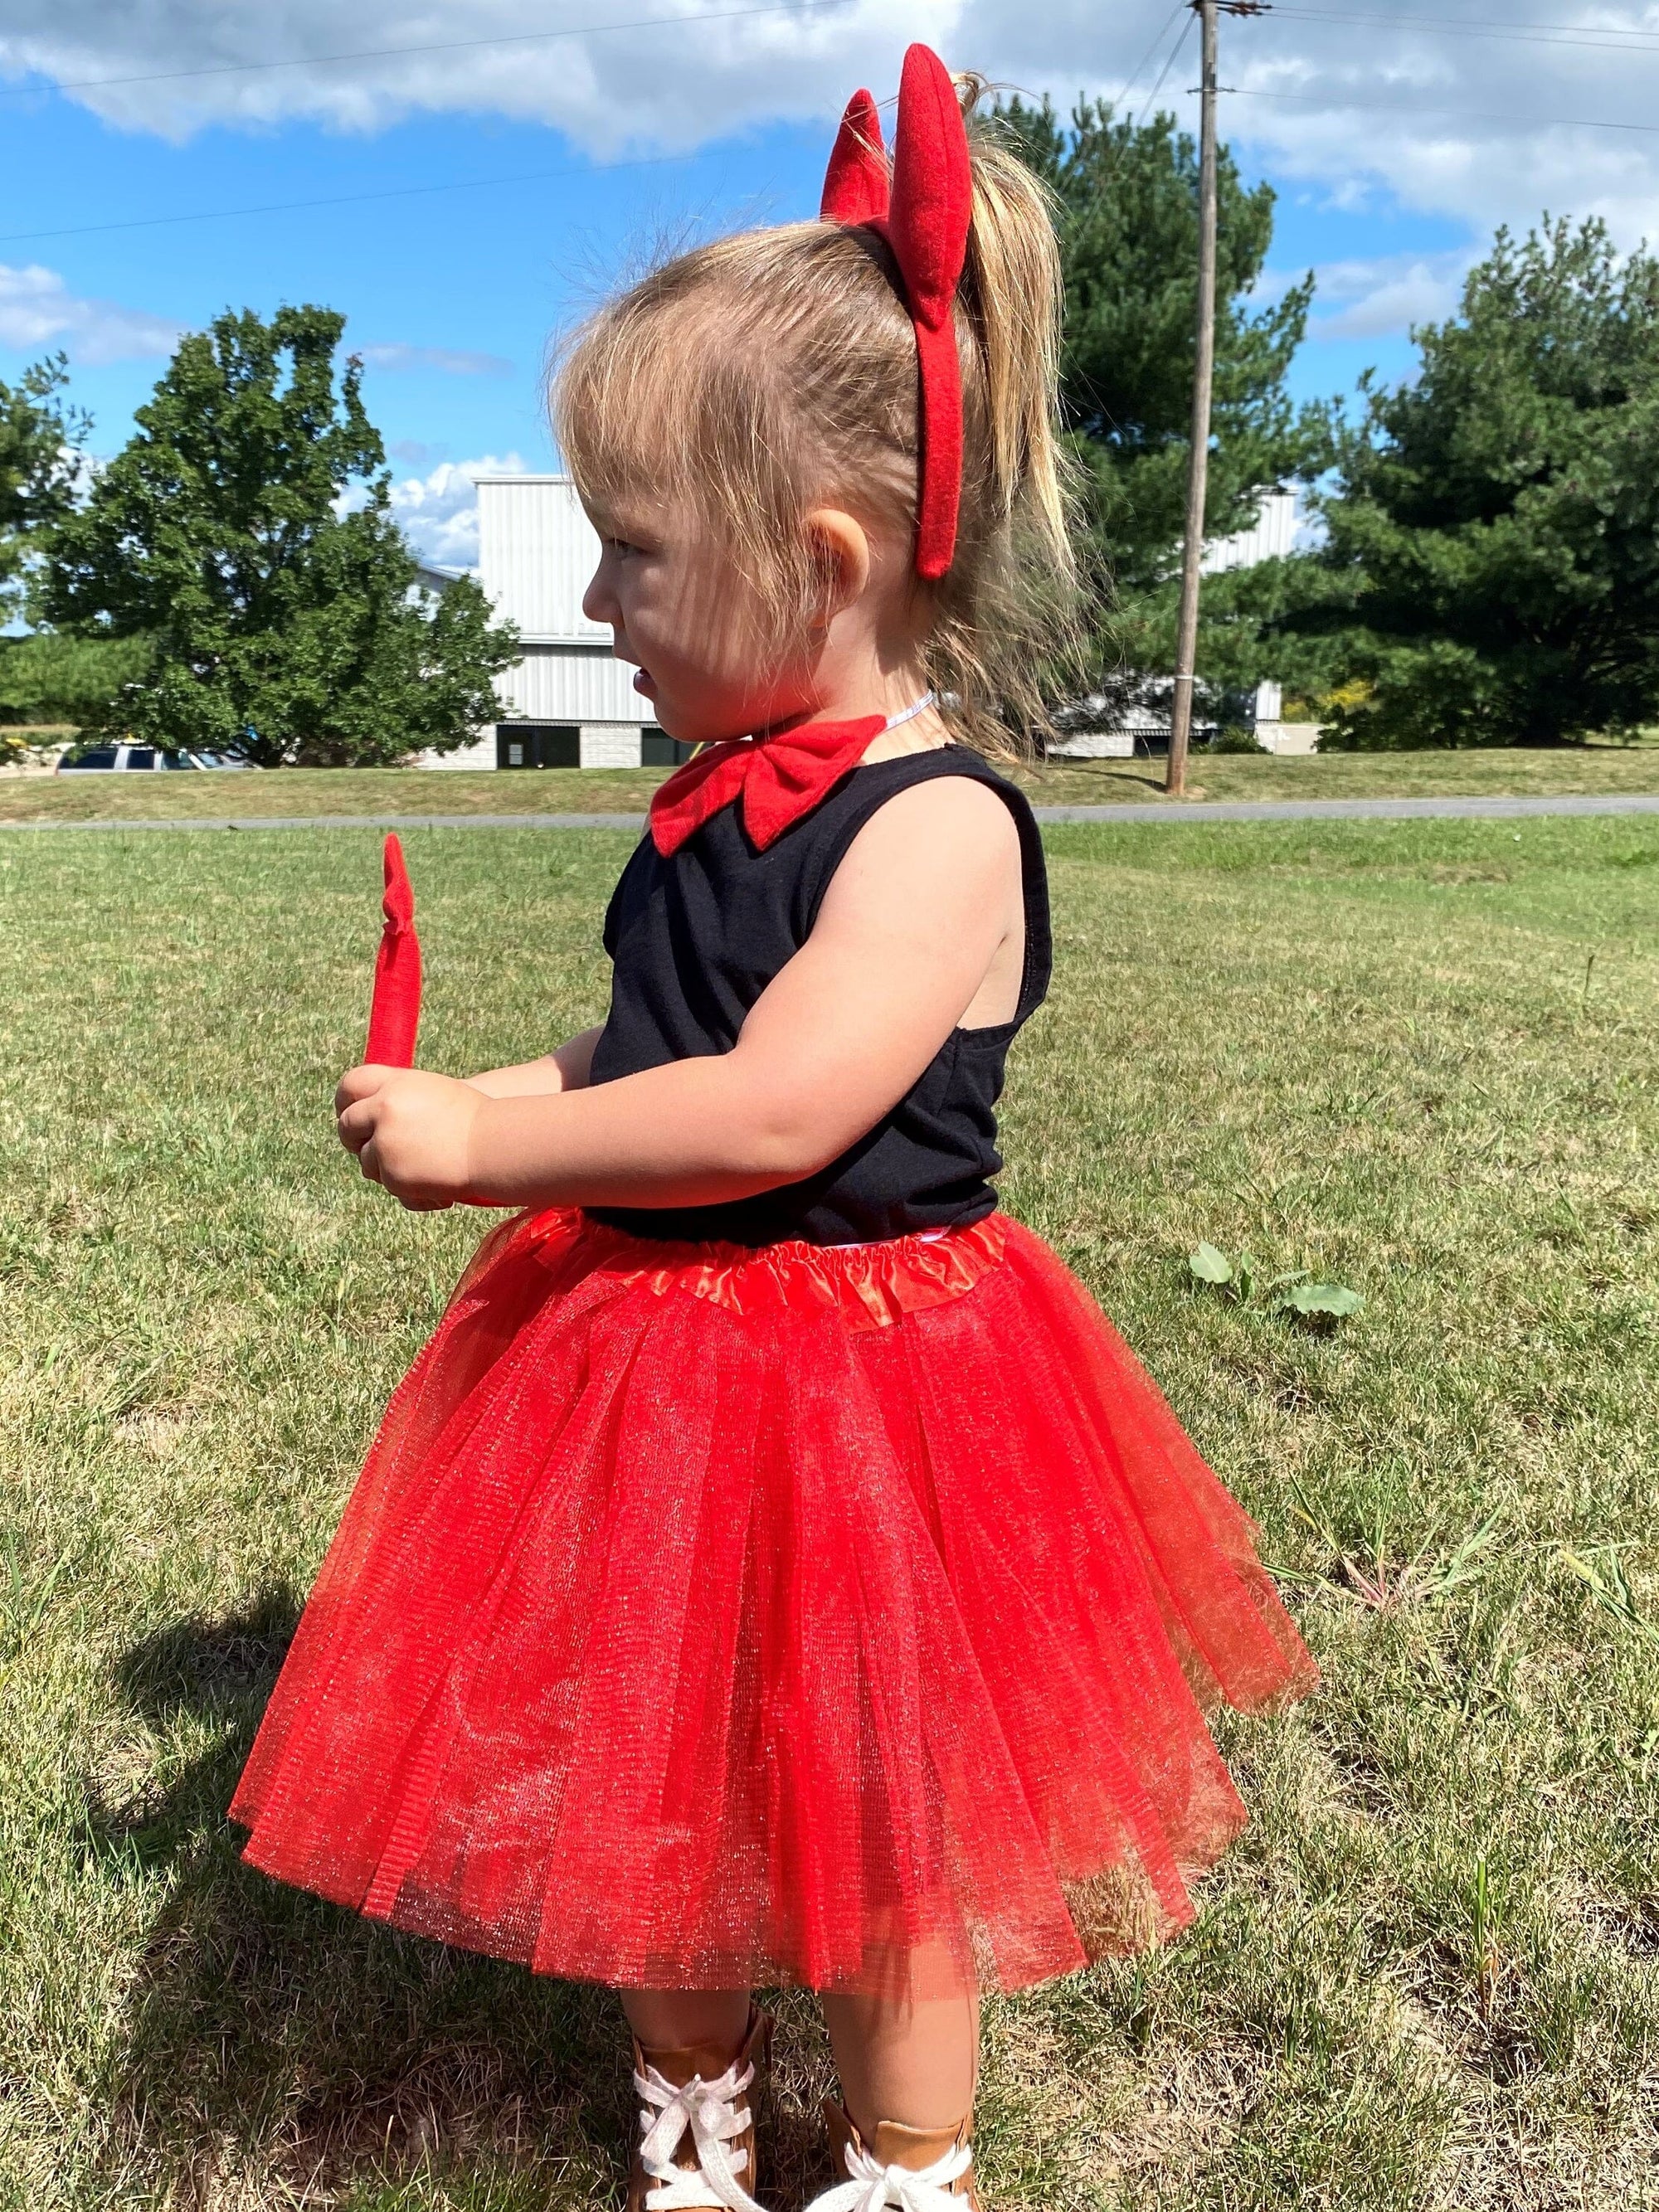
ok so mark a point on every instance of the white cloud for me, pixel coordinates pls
(448, 360)
(658, 86)
(1386, 99)
(1451, 121)
(439, 511)
(1385, 297)
(38, 310)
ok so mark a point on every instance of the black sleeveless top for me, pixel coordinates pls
(695, 938)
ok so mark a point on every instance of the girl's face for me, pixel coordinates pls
(689, 624)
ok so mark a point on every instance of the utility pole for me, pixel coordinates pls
(1181, 716)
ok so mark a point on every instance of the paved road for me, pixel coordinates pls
(1169, 811)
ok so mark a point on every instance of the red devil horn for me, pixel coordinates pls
(927, 225)
(932, 193)
(394, 1013)
(855, 182)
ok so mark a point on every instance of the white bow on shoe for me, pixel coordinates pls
(713, 2114)
(911, 2188)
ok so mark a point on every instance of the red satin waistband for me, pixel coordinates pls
(872, 1286)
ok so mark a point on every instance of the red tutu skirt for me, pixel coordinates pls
(706, 1617)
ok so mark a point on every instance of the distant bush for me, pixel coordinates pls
(1234, 737)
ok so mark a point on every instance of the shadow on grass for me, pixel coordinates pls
(1151, 780)
(277, 2047)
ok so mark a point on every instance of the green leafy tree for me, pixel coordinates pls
(41, 439)
(246, 533)
(1127, 196)
(40, 443)
(1490, 574)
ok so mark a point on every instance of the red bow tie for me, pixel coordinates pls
(779, 778)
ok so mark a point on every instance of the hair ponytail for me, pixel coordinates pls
(1012, 613)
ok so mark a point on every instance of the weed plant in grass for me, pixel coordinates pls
(627, 791)
(1414, 1058)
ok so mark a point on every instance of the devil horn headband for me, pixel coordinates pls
(923, 215)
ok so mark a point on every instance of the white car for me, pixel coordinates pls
(102, 760)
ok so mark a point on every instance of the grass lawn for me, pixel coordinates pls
(599, 791)
(1416, 1058)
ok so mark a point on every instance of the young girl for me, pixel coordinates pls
(776, 1569)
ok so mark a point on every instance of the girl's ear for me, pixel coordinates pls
(841, 561)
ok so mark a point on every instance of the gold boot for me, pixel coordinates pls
(697, 2141)
(916, 2169)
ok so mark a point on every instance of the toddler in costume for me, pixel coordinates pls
(776, 1569)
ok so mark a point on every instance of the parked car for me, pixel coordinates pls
(87, 760)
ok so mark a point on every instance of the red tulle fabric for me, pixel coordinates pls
(707, 1617)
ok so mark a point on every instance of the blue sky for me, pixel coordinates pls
(1395, 149)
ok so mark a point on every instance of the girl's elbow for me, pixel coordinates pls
(791, 1139)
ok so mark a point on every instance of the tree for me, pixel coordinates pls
(1490, 574)
(47, 675)
(44, 678)
(245, 533)
(40, 442)
(1126, 195)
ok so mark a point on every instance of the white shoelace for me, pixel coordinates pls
(710, 2109)
(911, 2188)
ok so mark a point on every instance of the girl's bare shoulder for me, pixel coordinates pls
(951, 829)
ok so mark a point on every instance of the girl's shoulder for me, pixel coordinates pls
(874, 784)
(871, 786)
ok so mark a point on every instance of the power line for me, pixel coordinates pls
(1623, 38)
(1170, 60)
(1133, 77)
(353, 200)
(391, 53)
(1340, 107)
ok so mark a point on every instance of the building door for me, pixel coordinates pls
(659, 749)
(538, 745)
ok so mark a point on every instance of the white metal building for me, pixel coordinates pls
(566, 703)
(569, 704)
(1272, 537)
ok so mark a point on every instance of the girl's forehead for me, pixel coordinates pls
(620, 512)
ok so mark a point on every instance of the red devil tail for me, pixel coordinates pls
(394, 1013)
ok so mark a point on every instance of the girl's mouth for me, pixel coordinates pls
(643, 684)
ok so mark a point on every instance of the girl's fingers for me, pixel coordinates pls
(357, 1125)
(369, 1160)
(357, 1082)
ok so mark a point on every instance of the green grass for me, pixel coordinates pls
(1417, 1057)
(582, 791)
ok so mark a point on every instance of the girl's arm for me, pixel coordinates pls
(565, 1069)
(913, 921)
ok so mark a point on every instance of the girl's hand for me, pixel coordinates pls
(412, 1132)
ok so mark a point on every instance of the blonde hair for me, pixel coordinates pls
(773, 370)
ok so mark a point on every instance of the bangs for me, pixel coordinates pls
(622, 398)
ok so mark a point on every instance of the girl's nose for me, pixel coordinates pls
(598, 601)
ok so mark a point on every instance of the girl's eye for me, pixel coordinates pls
(622, 547)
